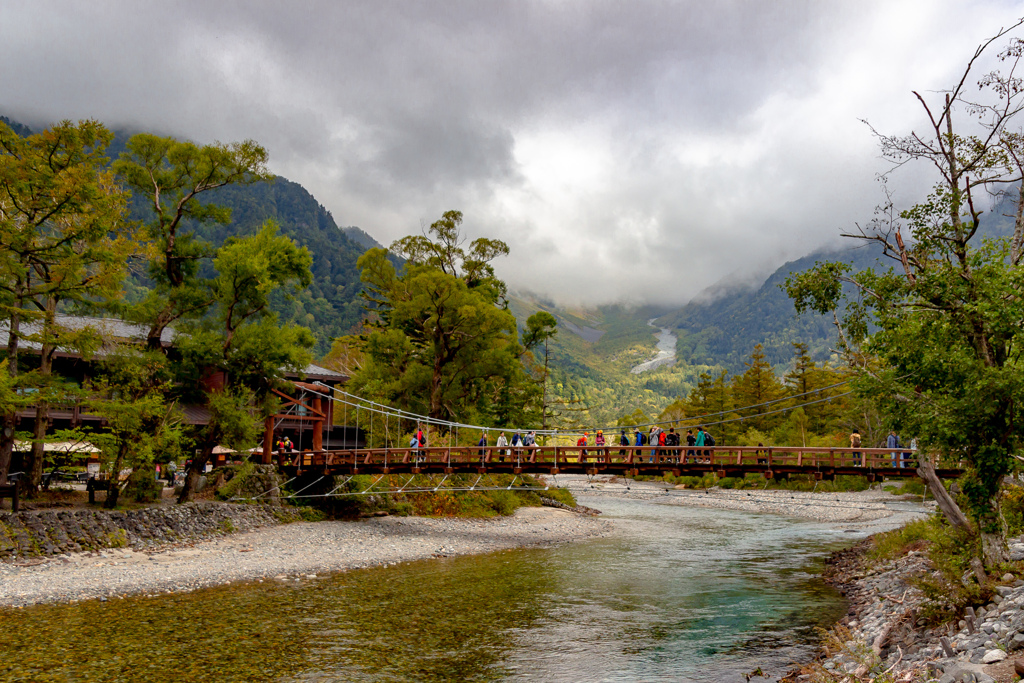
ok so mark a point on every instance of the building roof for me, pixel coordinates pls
(318, 372)
(111, 329)
(117, 330)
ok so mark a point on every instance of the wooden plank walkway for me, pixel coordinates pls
(725, 461)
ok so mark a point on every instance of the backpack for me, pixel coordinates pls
(708, 439)
(855, 440)
(643, 439)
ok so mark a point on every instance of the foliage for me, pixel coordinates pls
(1012, 507)
(62, 239)
(143, 487)
(936, 339)
(172, 176)
(233, 486)
(433, 496)
(442, 344)
(241, 343)
(132, 395)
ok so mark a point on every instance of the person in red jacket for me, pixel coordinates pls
(582, 442)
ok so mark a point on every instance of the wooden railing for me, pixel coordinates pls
(543, 459)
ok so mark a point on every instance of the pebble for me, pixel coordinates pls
(296, 551)
(883, 600)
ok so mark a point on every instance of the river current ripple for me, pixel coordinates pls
(673, 594)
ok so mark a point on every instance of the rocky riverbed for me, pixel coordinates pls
(290, 552)
(882, 631)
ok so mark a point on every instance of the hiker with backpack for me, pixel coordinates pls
(691, 441)
(699, 442)
(672, 441)
(708, 441)
(623, 441)
(641, 440)
(855, 443)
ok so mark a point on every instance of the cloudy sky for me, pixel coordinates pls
(626, 151)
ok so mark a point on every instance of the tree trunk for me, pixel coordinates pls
(34, 466)
(11, 416)
(195, 470)
(949, 508)
(993, 545)
(114, 485)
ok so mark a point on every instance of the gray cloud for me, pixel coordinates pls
(626, 151)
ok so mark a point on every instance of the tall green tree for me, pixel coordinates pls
(756, 386)
(936, 340)
(541, 327)
(132, 393)
(443, 342)
(62, 237)
(172, 176)
(807, 381)
(234, 357)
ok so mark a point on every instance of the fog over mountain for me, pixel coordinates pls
(635, 152)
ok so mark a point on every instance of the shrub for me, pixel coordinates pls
(143, 488)
(1012, 504)
(236, 477)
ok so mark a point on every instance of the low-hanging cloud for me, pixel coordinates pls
(635, 152)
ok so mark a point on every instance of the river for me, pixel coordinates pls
(666, 350)
(674, 594)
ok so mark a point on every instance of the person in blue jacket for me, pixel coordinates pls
(893, 441)
(482, 443)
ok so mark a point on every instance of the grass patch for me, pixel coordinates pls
(430, 495)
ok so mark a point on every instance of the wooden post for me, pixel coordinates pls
(268, 439)
(318, 433)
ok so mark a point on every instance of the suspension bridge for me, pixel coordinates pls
(313, 401)
(822, 464)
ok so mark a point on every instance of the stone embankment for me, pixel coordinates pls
(55, 532)
(882, 631)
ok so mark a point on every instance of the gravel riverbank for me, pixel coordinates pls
(868, 511)
(287, 552)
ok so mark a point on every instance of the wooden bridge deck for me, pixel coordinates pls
(724, 461)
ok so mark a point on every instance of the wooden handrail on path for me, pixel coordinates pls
(776, 462)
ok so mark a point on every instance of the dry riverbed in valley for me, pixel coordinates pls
(289, 552)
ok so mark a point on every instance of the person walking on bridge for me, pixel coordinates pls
(623, 441)
(582, 443)
(482, 443)
(501, 443)
(893, 441)
(699, 442)
(855, 443)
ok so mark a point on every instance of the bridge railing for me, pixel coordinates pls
(714, 457)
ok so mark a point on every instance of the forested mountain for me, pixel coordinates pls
(331, 306)
(591, 357)
(724, 330)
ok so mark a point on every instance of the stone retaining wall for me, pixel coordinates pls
(54, 532)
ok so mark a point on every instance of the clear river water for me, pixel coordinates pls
(674, 594)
